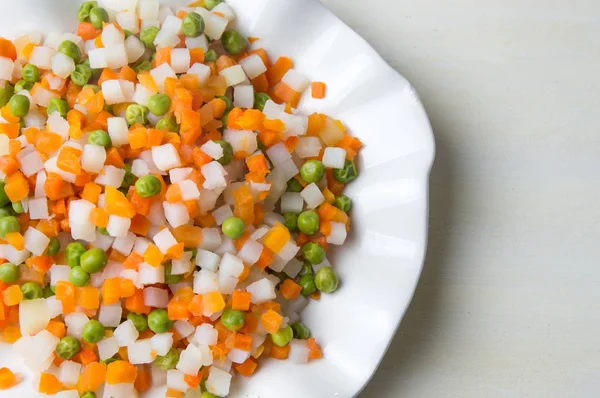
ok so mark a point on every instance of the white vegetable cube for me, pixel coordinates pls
(243, 96)
(93, 158)
(226, 10)
(155, 297)
(35, 241)
(179, 174)
(206, 334)
(211, 239)
(149, 275)
(98, 58)
(242, 140)
(164, 240)
(112, 36)
(118, 226)
(208, 260)
(273, 110)
(261, 291)
(222, 213)
(6, 68)
(215, 26)
(218, 382)
(250, 252)
(214, 175)
(139, 168)
(41, 57)
(128, 89)
(38, 209)
(308, 147)
(110, 315)
(81, 228)
(299, 351)
(118, 130)
(107, 348)
(233, 75)
(334, 157)
(176, 214)
(166, 157)
(31, 163)
(205, 281)
(124, 245)
(190, 360)
(189, 190)
(176, 380)
(212, 149)
(116, 56)
(33, 316)
(201, 71)
(112, 91)
(182, 265)
(288, 251)
(148, 9)
(231, 266)
(57, 124)
(134, 48)
(59, 273)
(338, 233)
(295, 81)
(294, 124)
(236, 355)
(197, 42)
(126, 334)
(180, 60)
(312, 196)
(140, 352)
(160, 73)
(142, 95)
(162, 343)
(292, 202)
(75, 322)
(128, 20)
(69, 373)
(293, 267)
(253, 66)
(62, 65)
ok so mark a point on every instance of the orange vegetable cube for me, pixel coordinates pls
(153, 256)
(271, 321)
(133, 261)
(277, 237)
(240, 300)
(69, 160)
(247, 367)
(98, 217)
(89, 298)
(16, 240)
(91, 192)
(120, 372)
(49, 384)
(17, 187)
(290, 289)
(116, 203)
(280, 352)
(243, 342)
(93, 376)
(7, 379)
(213, 301)
(111, 291)
(11, 333)
(196, 306)
(190, 236)
(318, 90)
(12, 295)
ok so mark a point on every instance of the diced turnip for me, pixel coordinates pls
(139, 168)
(182, 265)
(236, 355)
(233, 75)
(295, 81)
(278, 154)
(62, 65)
(142, 95)
(273, 110)
(157, 214)
(253, 66)
(107, 348)
(292, 202)
(128, 20)
(222, 213)
(41, 57)
(215, 26)
(119, 390)
(6, 68)
(262, 290)
(31, 163)
(338, 233)
(225, 10)
(218, 382)
(38, 209)
(164, 240)
(231, 265)
(148, 9)
(308, 147)
(288, 251)
(179, 174)
(134, 48)
(197, 42)
(189, 190)
(295, 125)
(93, 157)
(212, 149)
(176, 214)
(180, 60)
(205, 281)
(334, 157)
(112, 91)
(243, 96)
(293, 267)
(110, 315)
(140, 352)
(124, 245)
(118, 131)
(250, 252)
(299, 351)
(214, 173)
(190, 360)
(75, 322)
(201, 71)
(149, 275)
(69, 373)
(59, 273)
(183, 328)
(34, 316)
(312, 195)
(206, 334)
(81, 228)
(155, 297)
(35, 241)
(226, 246)
(176, 380)
(162, 343)
(98, 58)
(126, 334)
(111, 36)
(207, 260)
(118, 226)
(159, 376)
(165, 157)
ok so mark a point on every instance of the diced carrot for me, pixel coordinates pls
(111, 291)
(120, 372)
(91, 192)
(126, 288)
(171, 393)
(7, 379)
(190, 236)
(290, 289)
(258, 163)
(113, 158)
(280, 352)
(87, 354)
(153, 255)
(116, 203)
(277, 237)
(16, 240)
(173, 194)
(276, 72)
(213, 302)
(271, 321)
(163, 55)
(107, 74)
(133, 261)
(64, 290)
(57, 328)
(225, 62)
(86, 31)
(69, 159)
(148, 82)
(8, 164)
(139, 225)
(196, 56)
(143, 381)
(11, 334)
(89, 298)
(286, 94)
(98, 217)
(265, 259)
(196, 306)
(136, 304)
(49, 384)
(12, 295)
(127, 73)
(16, 187)
(7, 49)
(315, 349)
(93, 376)
(318, 90)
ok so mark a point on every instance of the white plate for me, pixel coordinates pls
(380, 266)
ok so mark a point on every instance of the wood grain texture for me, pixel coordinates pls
(508, 303)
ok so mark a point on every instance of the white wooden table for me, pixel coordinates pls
(508, 305)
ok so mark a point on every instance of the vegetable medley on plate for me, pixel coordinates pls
(165, 210)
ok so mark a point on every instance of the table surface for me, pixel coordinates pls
(508, 302)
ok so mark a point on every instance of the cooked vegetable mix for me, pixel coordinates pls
(166, 212)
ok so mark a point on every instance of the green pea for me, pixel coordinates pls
(94, 260)
(207, 394)
(169, 277)
(136, 114)
(142, 66)
(31, 291)
(7, 211)
(233, 227)
(210, 56)
(100, 137)
(313, 252)
(70, 49)
(158, 321)
(326, 280)
(6, 93)
(9, 224)
(159, 104)
(90, 394)
(169, 361)
(95, 72)
(312, 171)
(228, 103)
(260, 99)
(343, 203)
(167, 124)
(308, 285)
(18, 207)
(23, 85)
(78, 276)
(9, 273)
(84, 10)
(261, 147)
(73, 253)
(309, 222)
(225, 118)
(129, 178)
(103, 231)
(227, 152)
(210, 4)
(93, 331)
(233, 319)
(300, 331)
(98, 16)
(81, 75)
(19, 105)
(111, 360)
(58, 105)
(291, 221)
(68, 347)
(293, 186)
(234, 42)
(139, 321)
(192, 24)
(148, 35)
(48, 292)
(307, 269)
(347, 174)
(148, 186)
(283, 336)
(30, 73)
